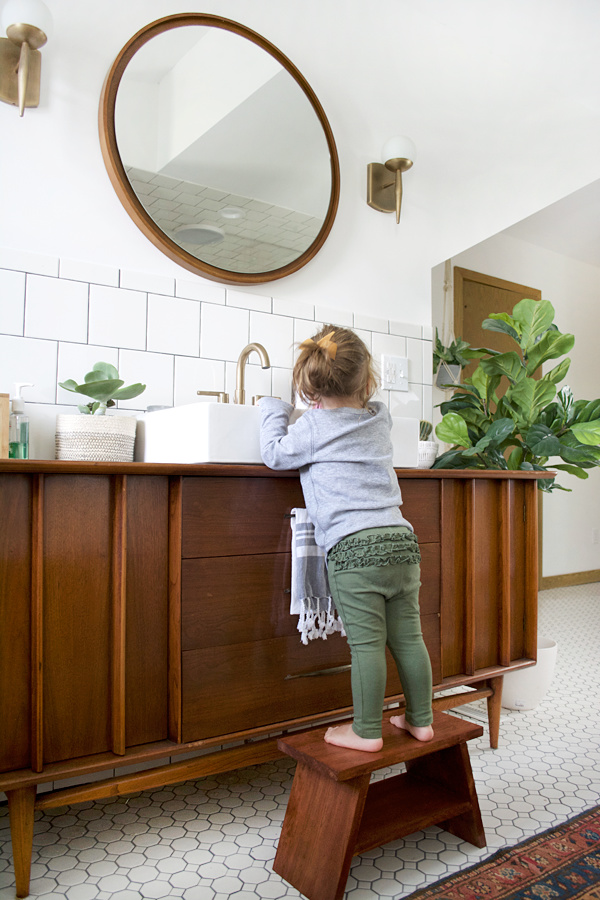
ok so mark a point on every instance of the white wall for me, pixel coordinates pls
(573, 288)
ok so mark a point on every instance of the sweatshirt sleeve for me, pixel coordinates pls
(279, 448)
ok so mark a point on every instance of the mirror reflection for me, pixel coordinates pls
(224, 150)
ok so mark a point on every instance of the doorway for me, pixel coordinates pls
(475, 297)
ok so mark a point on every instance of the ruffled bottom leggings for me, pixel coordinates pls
(375, 576)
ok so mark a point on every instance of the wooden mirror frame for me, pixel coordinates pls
(128, 197)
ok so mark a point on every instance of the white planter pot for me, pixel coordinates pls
(95, 438)
(525, 688)
(427, 454)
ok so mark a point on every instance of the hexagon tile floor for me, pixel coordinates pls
(216, 838)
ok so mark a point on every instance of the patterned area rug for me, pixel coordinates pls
(560, 864)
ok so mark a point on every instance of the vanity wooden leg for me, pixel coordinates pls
(21, 808)
(494, 704)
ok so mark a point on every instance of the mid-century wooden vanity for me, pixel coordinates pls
(144, 613)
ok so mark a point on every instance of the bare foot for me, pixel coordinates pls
(420, 732)
(345, 736)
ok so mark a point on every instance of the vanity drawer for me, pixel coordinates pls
(244, 686)
(234, 516)
(421, 507)
(236, 599)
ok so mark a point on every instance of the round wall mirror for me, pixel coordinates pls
(219, 149)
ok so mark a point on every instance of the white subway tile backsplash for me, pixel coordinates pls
(388, 343)
(42, 428)
(331, 316)
(200, 290)
(304, 330)
(145, 281)
(371, 323)
(28, 360)
(407, 403)
(404, 329)
(117, 317)
(155, 370)
(276, 334)
(193, 375)
(224, 331)
(75, 361)
(12, 301)
(95, 273)
(24, 261)
(248, 301)
(427, 413)
(173, 325)
(56, 309)
(296, 309)
(281, 384)
(414, 352)
(427, 350)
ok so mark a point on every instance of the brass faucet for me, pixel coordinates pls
(240, 393)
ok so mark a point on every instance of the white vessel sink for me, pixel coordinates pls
(200, 433)
(230, 433)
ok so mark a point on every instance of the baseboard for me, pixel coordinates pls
(556, 581)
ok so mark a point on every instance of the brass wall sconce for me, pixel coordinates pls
(27, 24)
(385, 193)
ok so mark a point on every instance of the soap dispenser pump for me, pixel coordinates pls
(18, 425)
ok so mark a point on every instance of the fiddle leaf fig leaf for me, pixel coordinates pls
(532, 396)
(504, 323)
(572, 470)
(542, 442)
(509, 364)
(453, 430)
(550, 346)
(559, 372)
(589, 411)
(587, 432)
(534, 317)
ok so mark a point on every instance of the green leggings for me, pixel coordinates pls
(379, 605)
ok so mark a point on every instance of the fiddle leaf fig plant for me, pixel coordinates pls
(104, 386)
(530, 420)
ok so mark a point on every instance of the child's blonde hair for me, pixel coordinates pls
(334, 363)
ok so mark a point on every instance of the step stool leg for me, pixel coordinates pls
(319, 833)
(452, 769)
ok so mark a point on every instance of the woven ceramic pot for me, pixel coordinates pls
(95, 438)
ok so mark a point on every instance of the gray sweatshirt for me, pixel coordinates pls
(345, 460)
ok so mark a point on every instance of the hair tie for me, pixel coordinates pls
(325, 342)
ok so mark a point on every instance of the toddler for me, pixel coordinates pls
(343, 449)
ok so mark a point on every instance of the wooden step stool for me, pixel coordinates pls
(334, 813)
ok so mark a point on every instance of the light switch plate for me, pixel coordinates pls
(394, 372)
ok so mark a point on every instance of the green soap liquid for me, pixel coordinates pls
(18, 450)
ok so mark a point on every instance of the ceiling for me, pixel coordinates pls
(570, 226)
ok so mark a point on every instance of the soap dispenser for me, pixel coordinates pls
(18, 425)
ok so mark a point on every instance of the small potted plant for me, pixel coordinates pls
(94, 435)
(448, 362)
(427, 448)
